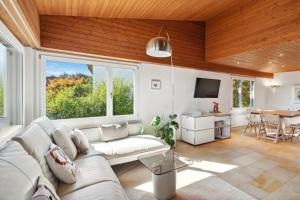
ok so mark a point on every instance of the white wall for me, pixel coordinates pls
(158, 102)
(281, 98)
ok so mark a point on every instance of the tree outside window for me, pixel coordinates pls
(76, 90)
(243, 93)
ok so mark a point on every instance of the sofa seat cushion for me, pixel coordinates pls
(19, 173)
(90, 170)
(106, 190)
(127, 146)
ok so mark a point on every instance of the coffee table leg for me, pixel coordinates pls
(164, 185)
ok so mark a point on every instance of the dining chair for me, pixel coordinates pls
(291, 131)
(253, 122)
(270, 128)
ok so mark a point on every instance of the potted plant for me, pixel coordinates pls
(166, 131)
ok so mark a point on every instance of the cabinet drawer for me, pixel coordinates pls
(188, 122)
(188, 136)
(202, 123)
(204, 136)
(197, 137)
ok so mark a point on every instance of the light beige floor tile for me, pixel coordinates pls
(247, 159)
(254, 191)
(284, 193)
(265, 164)
(281, 174)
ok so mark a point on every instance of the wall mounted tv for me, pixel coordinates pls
(207, 88)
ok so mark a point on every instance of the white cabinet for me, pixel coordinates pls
(197, 123)
(202, 128)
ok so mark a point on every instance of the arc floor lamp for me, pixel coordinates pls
(160, 47)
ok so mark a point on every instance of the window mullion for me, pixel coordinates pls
(109, 105)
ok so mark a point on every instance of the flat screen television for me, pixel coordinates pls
(207, 88)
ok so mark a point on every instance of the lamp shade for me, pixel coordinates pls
(159, 47)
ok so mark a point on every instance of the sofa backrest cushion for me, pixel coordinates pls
(46, 124)
(63, 138)
(37, 143)
(19, 173)
(93, 134)
(115, 131)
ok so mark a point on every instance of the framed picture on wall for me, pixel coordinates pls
(155, 84)
(296, 94)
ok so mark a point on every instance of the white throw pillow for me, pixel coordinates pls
(80, 140)
(63, 168)
(135, 128)
(62, 137)
(115, 131)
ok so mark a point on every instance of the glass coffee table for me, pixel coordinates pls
(163, 168)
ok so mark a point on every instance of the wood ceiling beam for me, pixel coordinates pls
(250, 26)
(22, 18)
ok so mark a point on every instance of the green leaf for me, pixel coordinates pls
(155, 121)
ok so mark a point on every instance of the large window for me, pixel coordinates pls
(76, 90)
(242, 93)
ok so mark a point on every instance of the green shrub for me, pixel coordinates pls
(74, 97)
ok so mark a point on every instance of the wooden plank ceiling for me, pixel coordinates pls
(137, 9)
(261, 35)
(249, 35)
(125, 39)
(22, 18)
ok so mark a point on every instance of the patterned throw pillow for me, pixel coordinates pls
(62, 167)
(80, 140)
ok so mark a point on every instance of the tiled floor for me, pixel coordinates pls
(259, 168)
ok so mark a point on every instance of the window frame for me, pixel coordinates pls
(231, 94)
(109, 64)
(6, 61)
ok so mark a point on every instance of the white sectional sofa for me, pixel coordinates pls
(122, 150)
(22, 162)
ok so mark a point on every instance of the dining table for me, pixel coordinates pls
(280, 113)
(288, 118)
